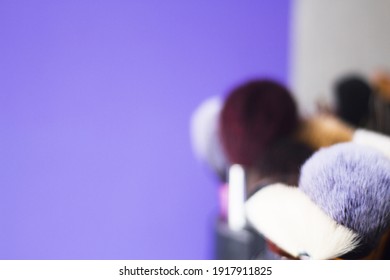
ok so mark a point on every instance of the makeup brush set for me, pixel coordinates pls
(284, 195)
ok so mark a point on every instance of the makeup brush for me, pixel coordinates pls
(254, 115)
(295, 227)
(323, 130)
(205, 138)
(207, 147)
(234, 240)
(377, 141)
(351, 184)
(379, 107)
(341, 207)
(352, 96)
(381, 83)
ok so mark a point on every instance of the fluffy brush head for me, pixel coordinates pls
(323, 130)
(352, 98)
(254, 115)
(381, 83)
(205, 137)
(289, 219)
(351, 184)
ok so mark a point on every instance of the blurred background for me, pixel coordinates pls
(95, 105)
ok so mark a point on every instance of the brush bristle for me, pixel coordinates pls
(254, 115)
(352, 98)
(374, 140)
(351, 184)
(323, 131)
(289, 219)
(205, 136)
(381, 82)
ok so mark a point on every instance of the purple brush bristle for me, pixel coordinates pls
(351, 184)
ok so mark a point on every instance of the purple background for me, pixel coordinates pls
(95, 102)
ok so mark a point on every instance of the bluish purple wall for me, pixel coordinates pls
(95, 101)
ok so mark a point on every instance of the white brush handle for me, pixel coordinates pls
(236, 198)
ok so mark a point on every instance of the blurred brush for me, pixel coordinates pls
(341, 208)
(323, 131)
(373, 140)
(379, 107)
(326, 130)
(205, 138)
(381, 83)
(255, 115)
(352, 95)
(295, 226)
(351, 184)
(234, 240)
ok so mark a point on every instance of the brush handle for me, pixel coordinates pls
(236, 198)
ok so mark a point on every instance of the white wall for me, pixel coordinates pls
(334, 37)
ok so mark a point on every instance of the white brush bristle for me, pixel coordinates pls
(204, 134)
(288, 218)
(374, 140)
